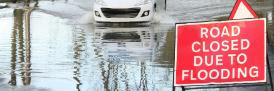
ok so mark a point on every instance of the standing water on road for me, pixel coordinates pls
(56, 47)
(45, 52)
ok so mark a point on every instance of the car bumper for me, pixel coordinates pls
(138, 18)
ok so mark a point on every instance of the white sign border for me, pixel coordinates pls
(217, 83)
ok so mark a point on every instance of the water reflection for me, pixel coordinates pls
(64, 56)
(79, 45)
(27, 65)
(13, 45)
(92, 61)
(129, 61)
(46, 51)
(20, 51)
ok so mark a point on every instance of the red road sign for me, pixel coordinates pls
(220, 52)
(242, 10)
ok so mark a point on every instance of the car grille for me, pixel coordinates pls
(120, 13)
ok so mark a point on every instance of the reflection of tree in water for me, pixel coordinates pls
(26, 68)
(105, 75)
(143, 80)
(79, 45)
(21, 17)
(135, 71)
(114, 76)
(125, 73)
(18, 22)
(115, 73)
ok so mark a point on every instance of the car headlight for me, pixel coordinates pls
(143, 2)
(100, 2)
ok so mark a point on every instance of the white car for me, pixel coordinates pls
(124, 10)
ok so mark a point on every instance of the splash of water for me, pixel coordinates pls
(87, 18)
(162, 17)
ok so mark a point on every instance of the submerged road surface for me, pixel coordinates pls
(56, 47)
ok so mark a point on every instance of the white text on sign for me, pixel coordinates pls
(217, 60)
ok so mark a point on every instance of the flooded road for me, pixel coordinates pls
(56, 46)
(51, 53)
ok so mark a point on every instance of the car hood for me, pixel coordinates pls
(122, 3)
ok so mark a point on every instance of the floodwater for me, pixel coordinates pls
(57, 47)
